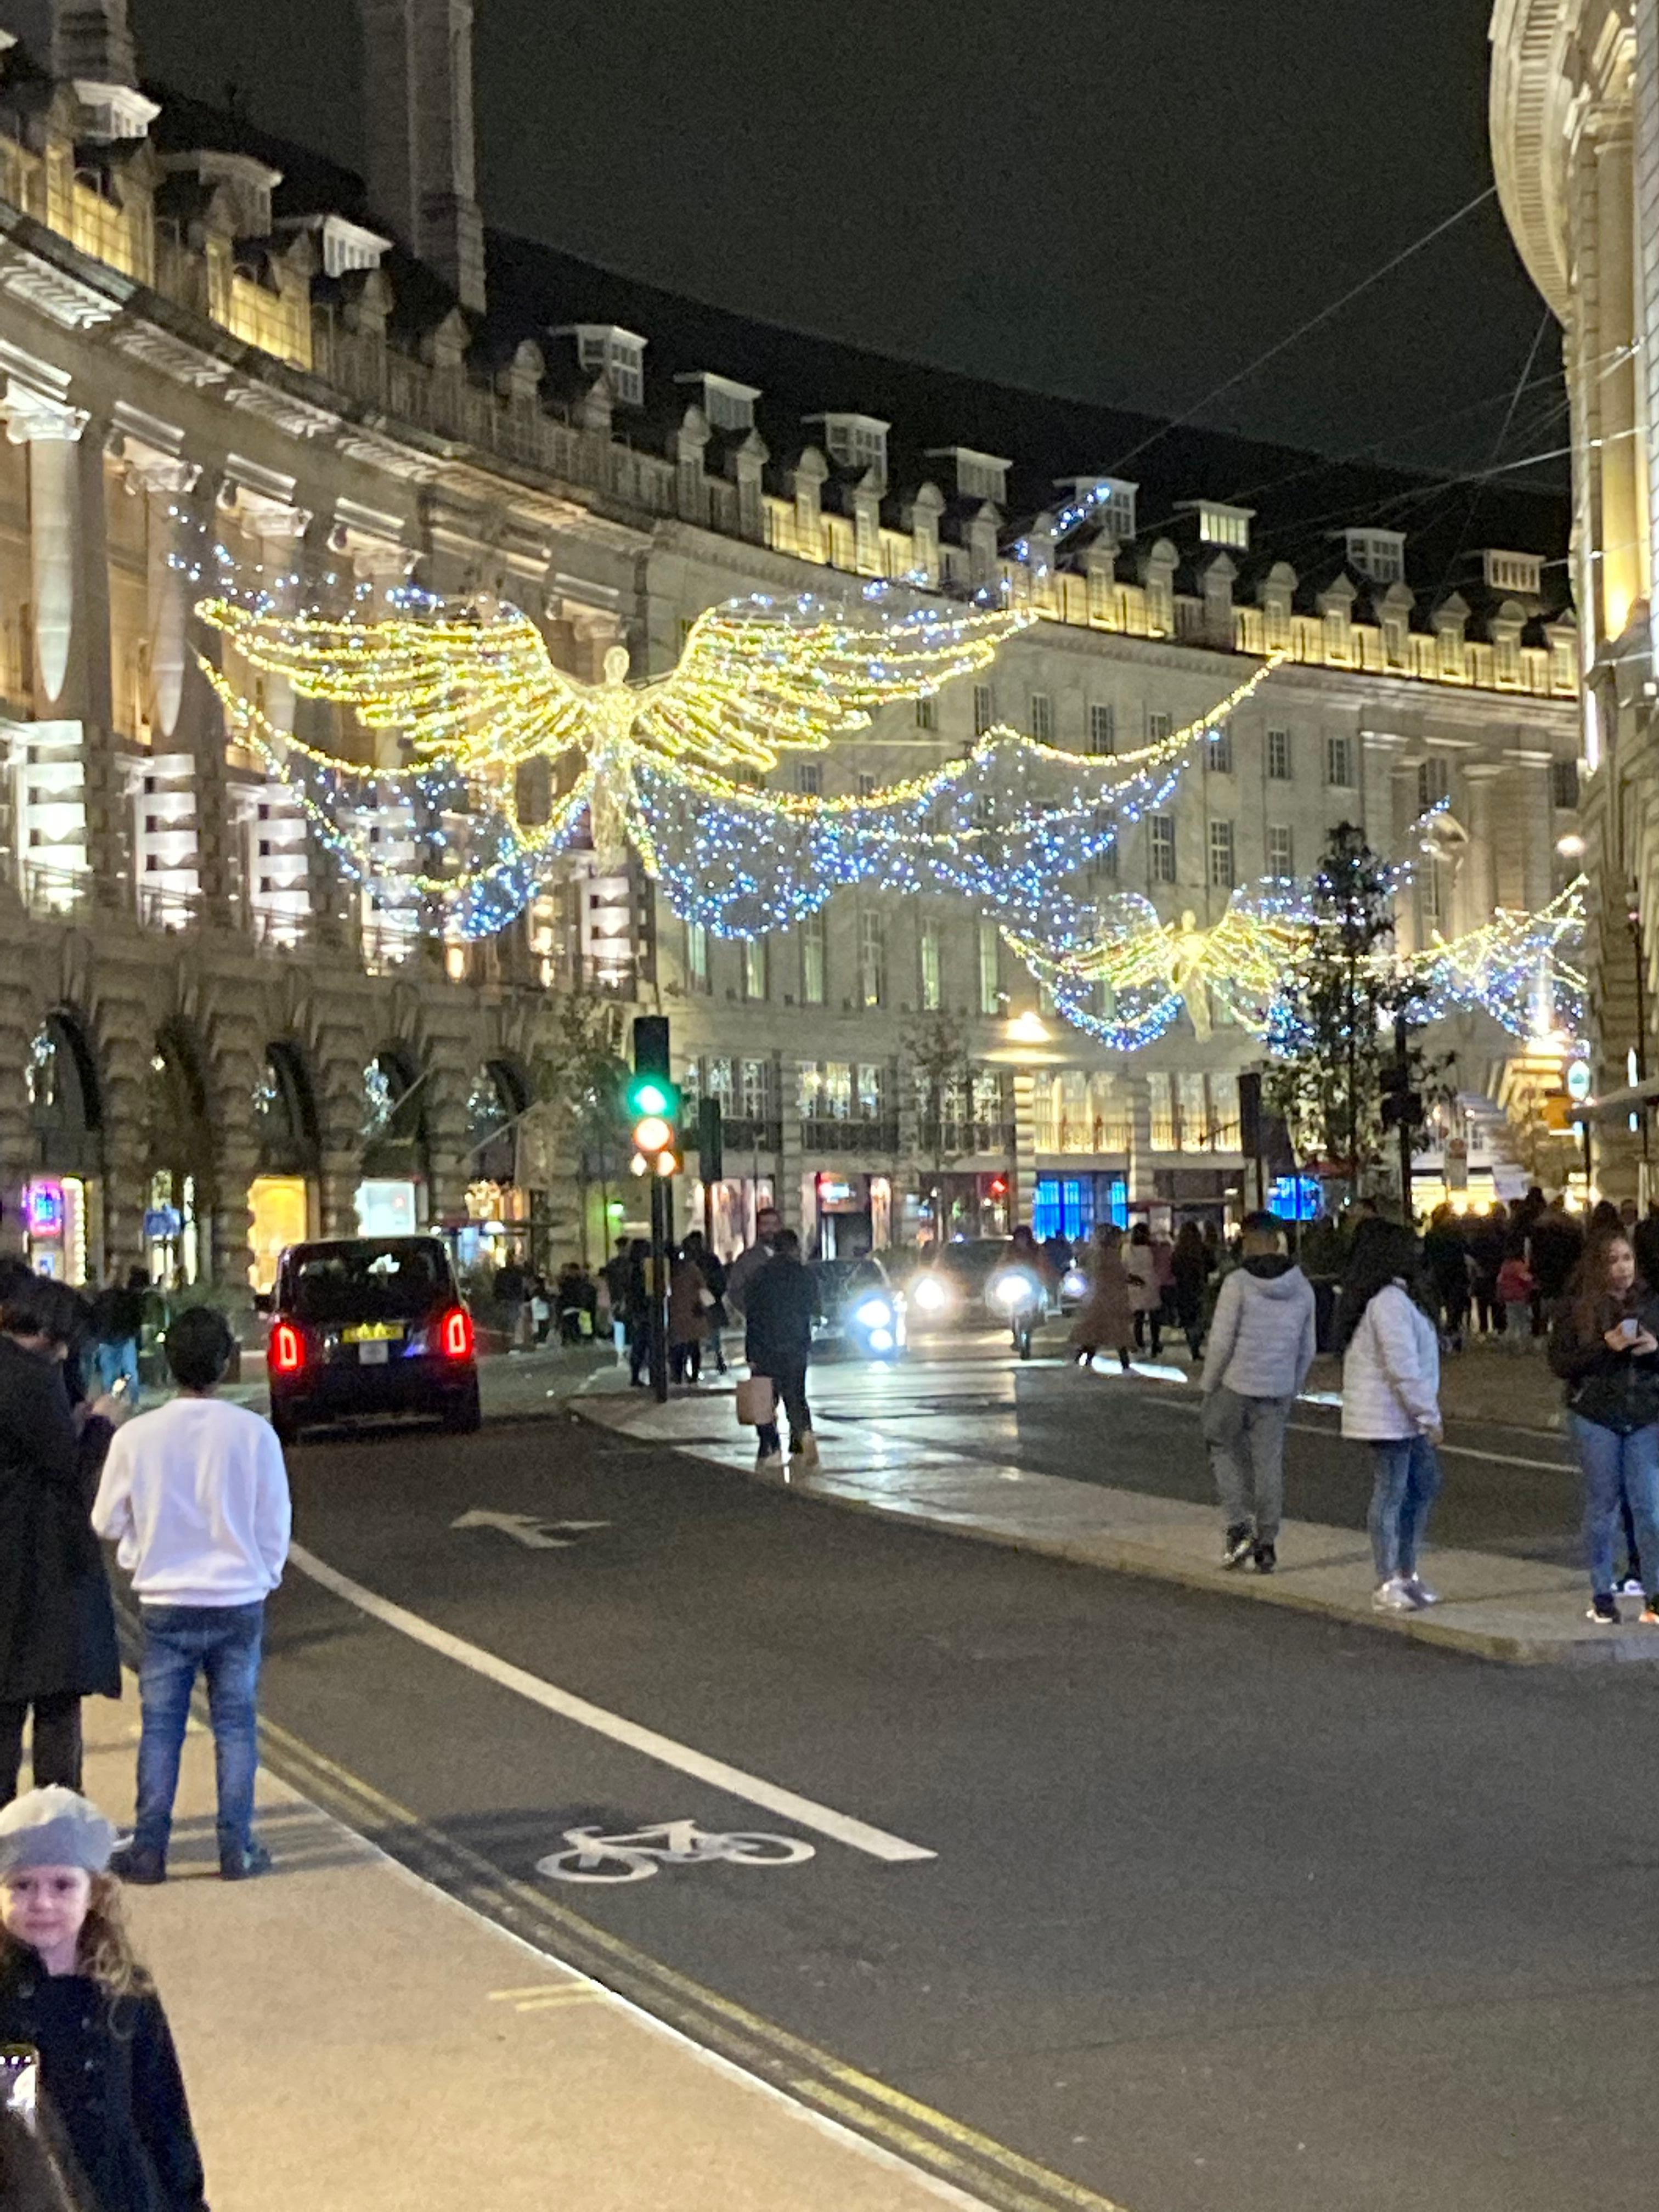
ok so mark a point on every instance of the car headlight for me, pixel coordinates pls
(874, 1313)
(1074, 1283)
(929, 1295)
(881, 1339)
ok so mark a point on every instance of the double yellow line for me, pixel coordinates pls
(999, 2178)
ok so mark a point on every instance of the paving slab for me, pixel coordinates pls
(353, 2040)
(1493, 1607)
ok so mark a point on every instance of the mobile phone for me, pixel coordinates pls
(19, 2081)
(1630, 1329)
(121, 1387)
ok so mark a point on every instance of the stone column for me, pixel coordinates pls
(1479, 882)
(1619, 460)
(1024, 1194)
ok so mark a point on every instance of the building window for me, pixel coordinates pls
(812, 959)
(866, 785)
(1564, 785)
(1432, 894)
(1161, 835)
(1159, 727)
(1278, 756)
(1433, 784)
(1222, 878)
(1280, 851)
(1225, 1133)
(931, 994)
(808, 779)
(754, 967)
(754, 1090)
(1161, 1107)
(1221, 752)
(990, 969)
(927, 713)
(1339, 761)
(1103, 729)
(1042, 718)
(985, 709)
(872, 960)
(1194, 1112)
(696, 956)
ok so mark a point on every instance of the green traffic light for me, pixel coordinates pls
(650, 1095)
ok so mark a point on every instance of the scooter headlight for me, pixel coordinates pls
(874, 1313)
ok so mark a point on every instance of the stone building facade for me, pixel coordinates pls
(206, 1034)
(1575, 132)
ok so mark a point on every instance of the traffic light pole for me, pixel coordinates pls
(661, 1237)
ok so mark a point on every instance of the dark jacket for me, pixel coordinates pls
(118, 1315)
(57, 1623)
(1446, 1256)
(1554, 1244)
(1614, 1389)
(779, 1304)
(111, 2074)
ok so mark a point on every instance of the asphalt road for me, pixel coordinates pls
(1231, 1910)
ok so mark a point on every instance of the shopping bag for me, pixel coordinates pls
(757, 1401)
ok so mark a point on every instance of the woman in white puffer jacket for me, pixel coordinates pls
(1391, 1400)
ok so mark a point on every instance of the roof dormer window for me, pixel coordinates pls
(1219, 524)
(1515, 572)
(607, 349)
(856, 441)
(978, 476)
(727, 405)
(1109, 501)
(1378, 553)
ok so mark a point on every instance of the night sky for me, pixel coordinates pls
(1122, 200)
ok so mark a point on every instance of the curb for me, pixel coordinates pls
(1117, 1556)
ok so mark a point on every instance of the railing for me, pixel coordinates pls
(746, 1136)
(159, 907)
(952, 1140)
(56, 892)
(848, 1134)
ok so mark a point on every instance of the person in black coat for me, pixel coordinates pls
(779, 1305)
(57, 1621)
(69, 1985)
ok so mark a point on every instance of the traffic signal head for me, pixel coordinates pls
(648, 1095)
(653, 1106)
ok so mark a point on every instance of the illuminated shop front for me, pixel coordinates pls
(844, 1216)
(179, 1182)
(61, 1201)
(283, 1197)
(392, 1198)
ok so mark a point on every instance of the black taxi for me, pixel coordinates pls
(366, 1325)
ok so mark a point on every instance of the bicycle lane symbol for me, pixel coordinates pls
(591, 1857)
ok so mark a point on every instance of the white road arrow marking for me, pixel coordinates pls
(529, 1530)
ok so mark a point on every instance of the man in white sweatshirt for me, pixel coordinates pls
(1260, 1347)
(195, 1497)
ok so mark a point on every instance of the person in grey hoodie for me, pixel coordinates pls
(1260, 1347)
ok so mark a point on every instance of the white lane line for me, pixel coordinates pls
(840, 1827)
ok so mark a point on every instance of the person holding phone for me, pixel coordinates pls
(1605, 1347)
(1390, 1352)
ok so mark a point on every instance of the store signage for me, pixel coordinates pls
(163, 1222)
(46, 1209)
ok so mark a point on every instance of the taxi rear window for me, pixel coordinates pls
(391, 1281)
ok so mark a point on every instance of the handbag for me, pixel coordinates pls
(756, 1401)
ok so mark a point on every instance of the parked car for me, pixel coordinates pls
(363, 1325)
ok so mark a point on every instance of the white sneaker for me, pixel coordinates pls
(768, 1463)
(805, 1448)
(1419, 1593)
(1392, 1596)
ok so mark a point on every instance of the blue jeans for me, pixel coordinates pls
(1615, 1468)
(115, 1360)
(224, 1642)
(1407, 1484)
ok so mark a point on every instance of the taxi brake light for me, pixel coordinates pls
(457, 1337)
(288, 1349)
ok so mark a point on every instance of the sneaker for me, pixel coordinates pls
(1604, 1610)
(1392, 1596)
(1649, 1615)
(1419, 1593)
(805, 1448)
(143, 1869)
(242, 1866)
(1630, 1587)
(1238, 1544)
(1267, 1558)
(769, 1461)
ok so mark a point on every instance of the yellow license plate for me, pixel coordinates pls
(373, 1332)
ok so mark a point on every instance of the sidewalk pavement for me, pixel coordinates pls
(353, 2040)
(1492, 1607)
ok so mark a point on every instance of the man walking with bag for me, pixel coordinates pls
(195, 1496)
(1261, 1346)
(780, 1303)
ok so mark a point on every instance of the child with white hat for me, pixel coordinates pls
(71, 1989)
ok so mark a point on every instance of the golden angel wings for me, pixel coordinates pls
(479, 692)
